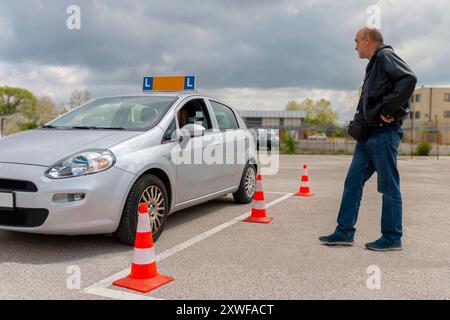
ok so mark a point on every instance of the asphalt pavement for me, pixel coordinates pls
(213, 255)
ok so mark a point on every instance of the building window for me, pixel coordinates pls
(281, 121)
(415, 115)
(447, 114)
(447, 97)
(253, 122)
(418, 97)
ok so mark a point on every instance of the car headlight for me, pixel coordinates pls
(81, 164)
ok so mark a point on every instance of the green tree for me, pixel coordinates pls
(13, 100)
(318, 112)
(40, 113)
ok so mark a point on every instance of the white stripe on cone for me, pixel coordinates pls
(258, 205)
(144, 256)
(143, 223)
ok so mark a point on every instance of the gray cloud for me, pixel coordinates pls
(228, 44)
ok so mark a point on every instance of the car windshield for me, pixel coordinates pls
(121, 113)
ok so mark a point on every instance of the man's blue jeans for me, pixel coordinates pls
(378, 153)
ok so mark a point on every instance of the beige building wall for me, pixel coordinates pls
(432, 102)
(429, 104)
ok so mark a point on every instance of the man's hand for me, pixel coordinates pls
(386, 119)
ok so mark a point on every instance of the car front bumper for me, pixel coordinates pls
(35, 212)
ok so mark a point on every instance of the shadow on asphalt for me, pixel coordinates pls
(43, 249)
(209, 208)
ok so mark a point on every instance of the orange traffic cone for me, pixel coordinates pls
(259, 214)
(143, 276)
(304, 186)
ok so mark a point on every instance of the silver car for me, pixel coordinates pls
(88, 171)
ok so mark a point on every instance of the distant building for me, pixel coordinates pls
(289, 120)
(429, 104)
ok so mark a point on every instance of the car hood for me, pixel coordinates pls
(44, 147)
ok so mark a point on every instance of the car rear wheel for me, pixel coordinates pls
(246, 189)
(148, 189)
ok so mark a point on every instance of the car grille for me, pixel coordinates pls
(22, 217)
(17, 185)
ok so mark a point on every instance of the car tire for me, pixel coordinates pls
(148, 187)
(242, 195)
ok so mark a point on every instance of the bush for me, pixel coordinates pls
(28, 126)
(290, 144)
(424, 148)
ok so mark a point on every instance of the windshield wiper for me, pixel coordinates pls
(97, 128)
(82, 128)
(109, 128)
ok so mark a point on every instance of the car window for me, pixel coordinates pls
(131, 113)
(170, 131)
(225, 116)
(198, 113)
(101, 116)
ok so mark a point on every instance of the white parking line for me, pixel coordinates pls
(276, 192)
(101, 288)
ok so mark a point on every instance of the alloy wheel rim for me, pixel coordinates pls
(154, 198)
(250, 182)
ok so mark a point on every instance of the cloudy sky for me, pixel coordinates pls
(254, 54)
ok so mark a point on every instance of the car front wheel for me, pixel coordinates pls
(148, 189)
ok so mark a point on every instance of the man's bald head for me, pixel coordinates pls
(367, 41)
(373, 34)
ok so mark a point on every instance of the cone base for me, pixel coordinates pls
(259, 219)
(304, 194)
(143, 285)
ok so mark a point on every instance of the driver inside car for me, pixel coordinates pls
(183, 117)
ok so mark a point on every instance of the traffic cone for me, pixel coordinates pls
(143, 276)
(259, 213)
(304, 186)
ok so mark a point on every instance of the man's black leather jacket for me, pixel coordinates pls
(388, 85)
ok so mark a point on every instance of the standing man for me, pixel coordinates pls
(388, 85)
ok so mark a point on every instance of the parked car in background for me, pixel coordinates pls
(266, 138)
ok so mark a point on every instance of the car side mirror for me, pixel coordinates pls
(193, 130)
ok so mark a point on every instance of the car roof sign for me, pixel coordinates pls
(169, 83)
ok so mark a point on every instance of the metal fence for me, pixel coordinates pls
(335, 140)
